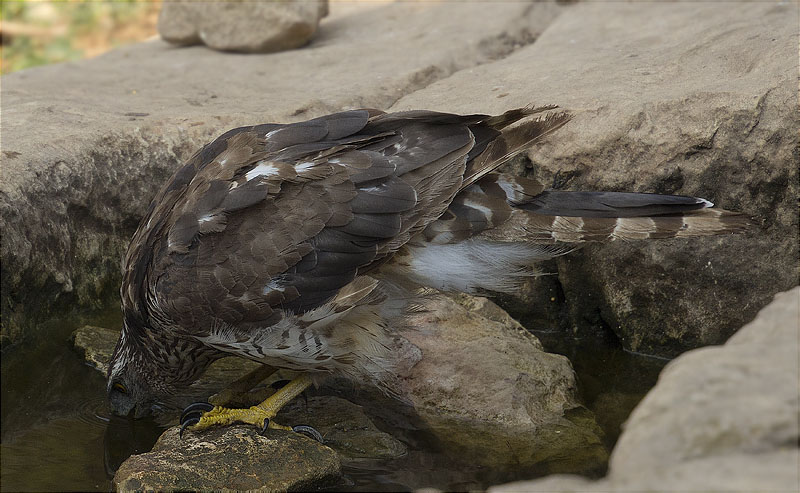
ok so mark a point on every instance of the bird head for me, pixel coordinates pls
(126, 395)
(133, 389)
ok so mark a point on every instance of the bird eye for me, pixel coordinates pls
(121, 388)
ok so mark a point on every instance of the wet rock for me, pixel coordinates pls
(87, 144)
(250, 27)
(486, 389)
(720, 418)
(740, 398)
(231, 458)
(684, 98)
(96, 345)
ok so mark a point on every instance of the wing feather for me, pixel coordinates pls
(276, 219)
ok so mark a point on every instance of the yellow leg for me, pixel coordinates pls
(235, 392)
(258, 414)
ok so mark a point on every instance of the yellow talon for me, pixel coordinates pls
(223, 416)
(258, 415)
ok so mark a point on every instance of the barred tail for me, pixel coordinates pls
(507, 208)
(571, 229)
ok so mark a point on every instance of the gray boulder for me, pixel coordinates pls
(720, 418)
(684, 98)
(346, 428)
(250, 27)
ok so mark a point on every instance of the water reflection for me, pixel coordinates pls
(124, 437)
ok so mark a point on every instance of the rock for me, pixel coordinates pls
(738, 398)
(486, 389)
(87, 144)
(720, 418)
(250, 27)
(345, 428)
(96, 345)
(232, 458)
(765, 472)
(684, 98)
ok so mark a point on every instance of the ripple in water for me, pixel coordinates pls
(93, 411)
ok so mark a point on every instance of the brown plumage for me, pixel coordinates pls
(288, 244)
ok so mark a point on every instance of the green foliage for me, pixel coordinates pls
(57, 31)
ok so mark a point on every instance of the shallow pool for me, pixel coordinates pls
(57, 434)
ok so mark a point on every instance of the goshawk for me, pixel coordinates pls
(299, 246)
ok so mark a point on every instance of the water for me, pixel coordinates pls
(57, 434)
(611, 380)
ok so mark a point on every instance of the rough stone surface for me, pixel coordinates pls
(738, 398)
(96, 345)
(250, 27)
(87, 144)
(742, 472)
(233, 458)
(345, 428)
(486, 389)
(720, 418)
(685, 98)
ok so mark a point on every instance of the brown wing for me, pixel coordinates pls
(275, 218)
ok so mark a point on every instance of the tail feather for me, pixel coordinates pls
(570, 229)
(505, 208)
(512, 140)
(611, 204)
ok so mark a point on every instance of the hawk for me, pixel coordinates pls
(300, 246)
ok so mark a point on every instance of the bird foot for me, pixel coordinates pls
(202, 416)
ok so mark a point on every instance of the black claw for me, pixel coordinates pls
(186, 424)
(309, 432)
(197, 407)
(265, 427)
(196, 415)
